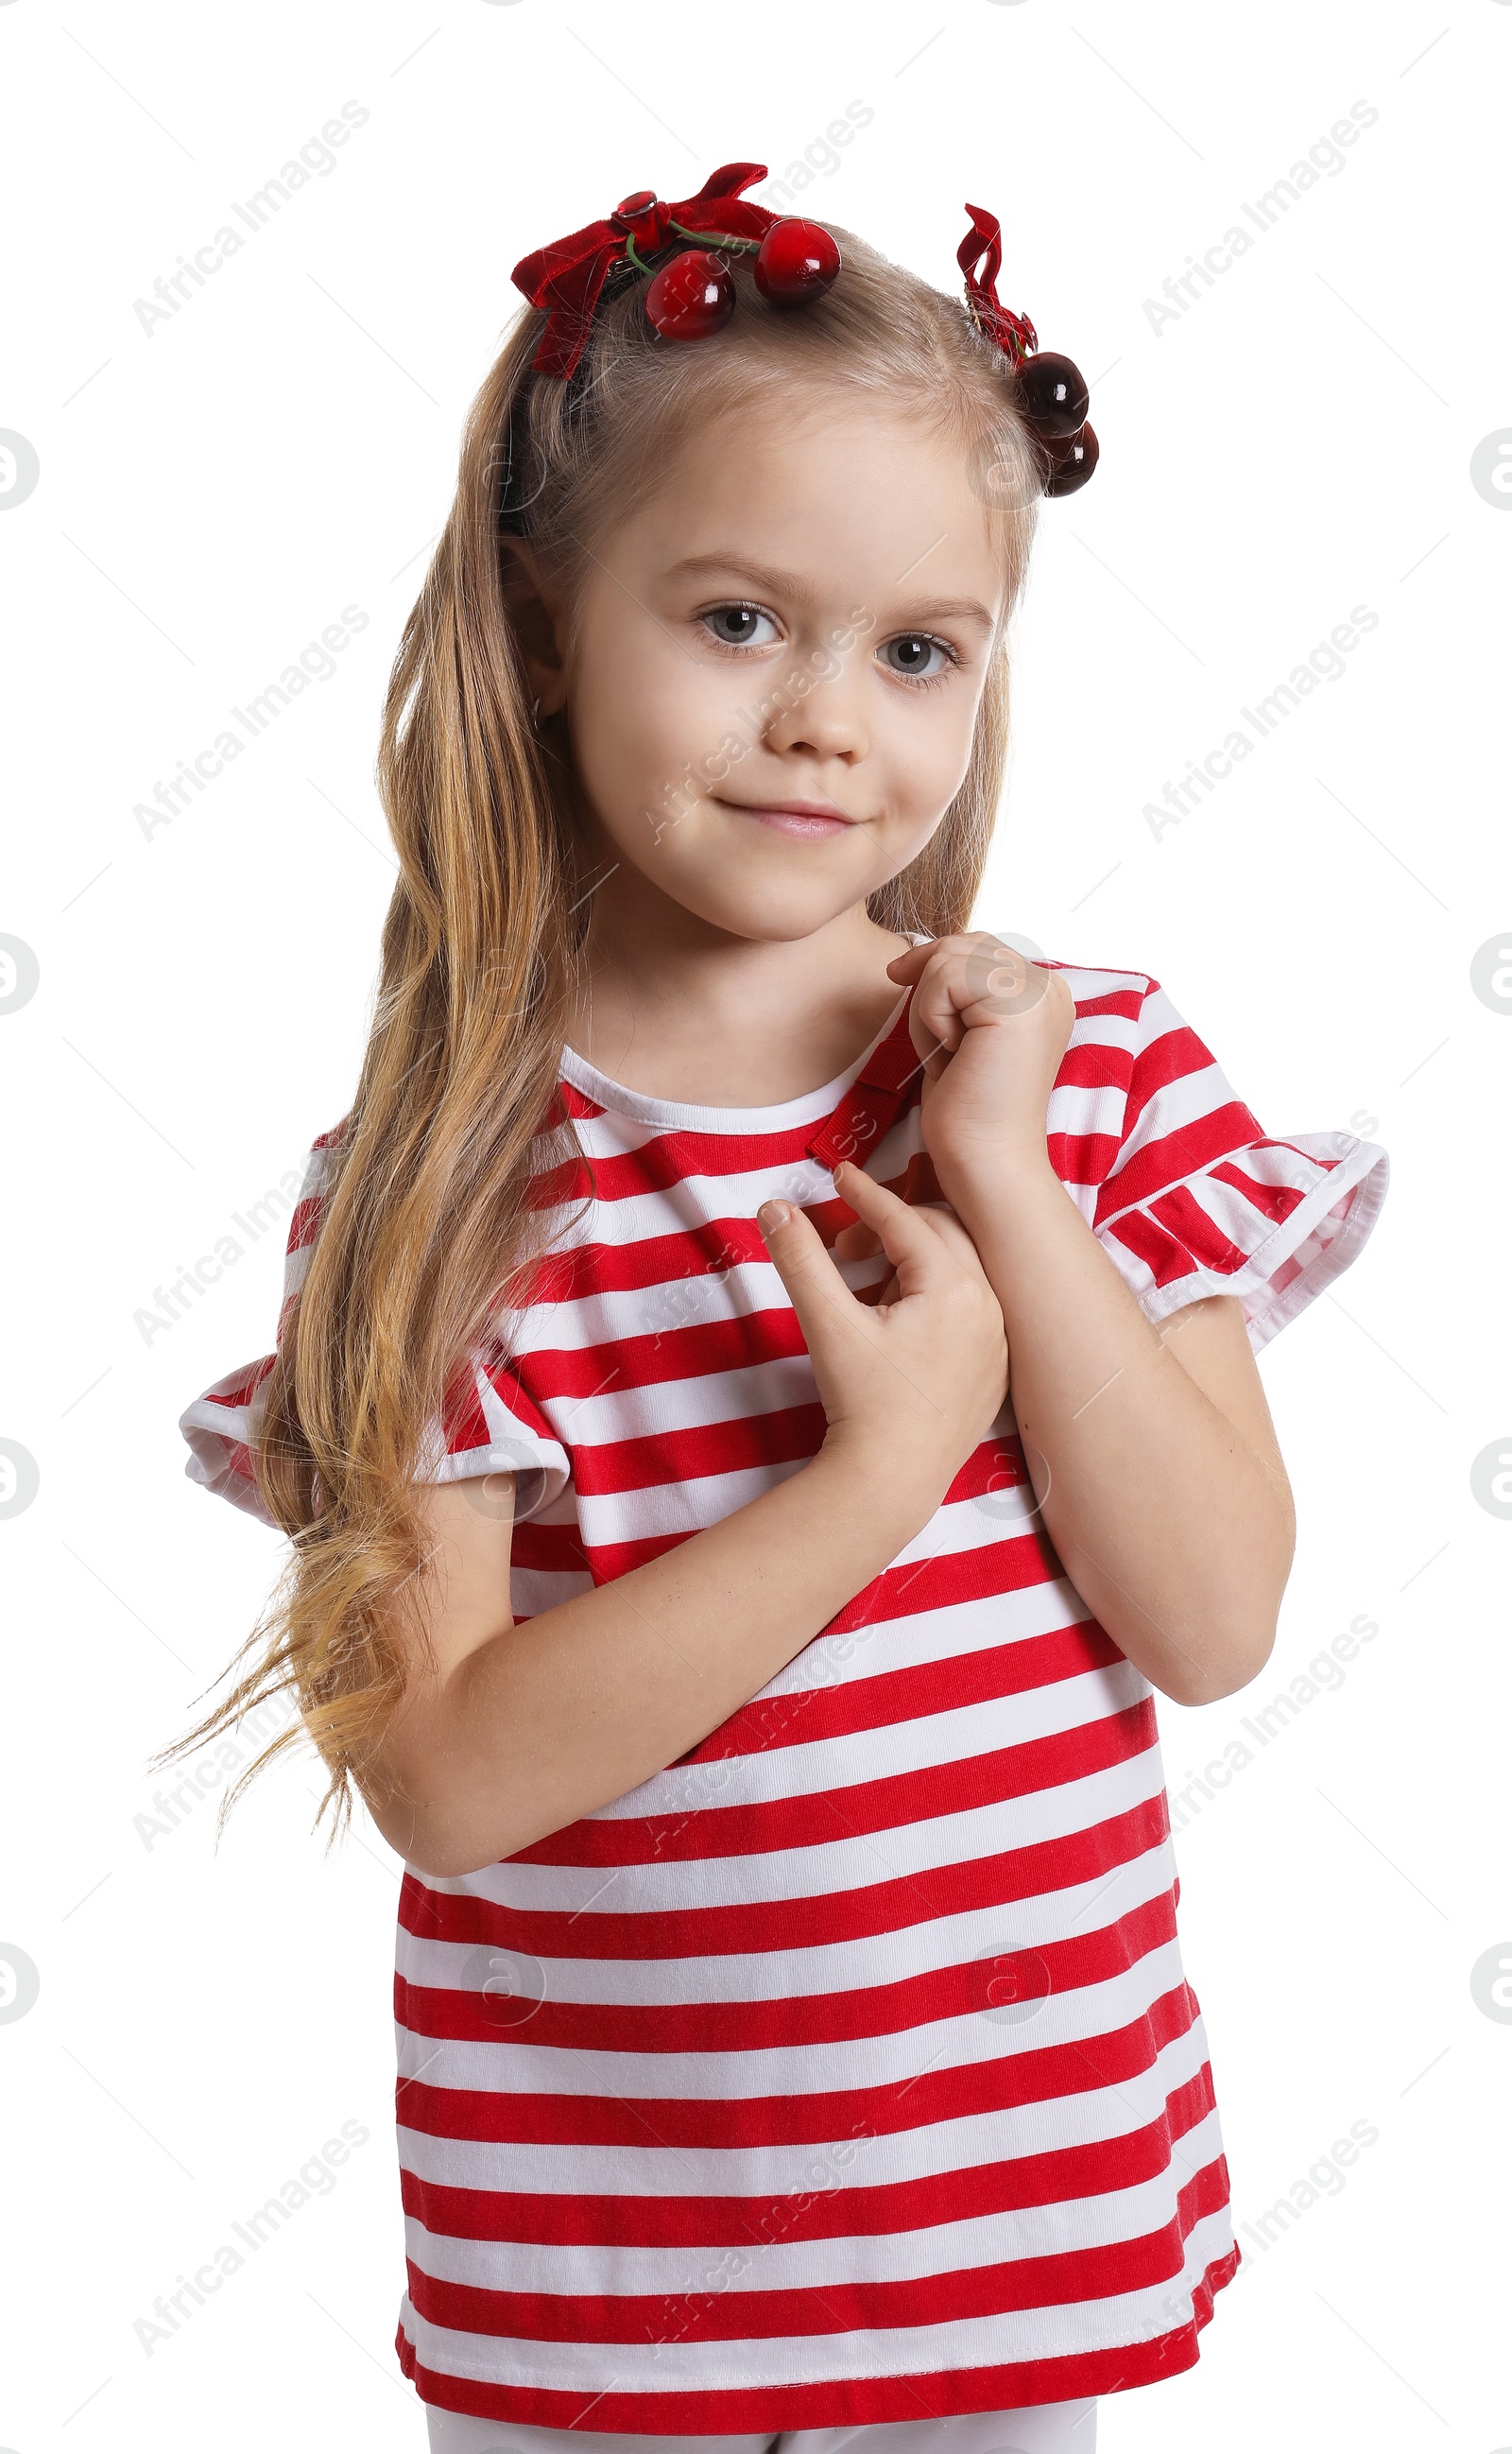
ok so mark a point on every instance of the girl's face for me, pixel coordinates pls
(776, 664)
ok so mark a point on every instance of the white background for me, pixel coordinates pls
(210, 496)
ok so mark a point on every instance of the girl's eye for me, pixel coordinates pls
(916, 656)
(739, 626)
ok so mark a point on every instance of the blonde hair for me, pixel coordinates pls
(427, 1219)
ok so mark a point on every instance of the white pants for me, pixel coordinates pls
(1042, 2428)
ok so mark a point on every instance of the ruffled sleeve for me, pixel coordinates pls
(490, 1425)
(1199, 1201)
(221, 1423)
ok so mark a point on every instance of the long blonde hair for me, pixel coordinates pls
(427, 1218)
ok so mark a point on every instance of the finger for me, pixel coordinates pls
(857, 1242)
(942, 1221)
(956, 1238)
(802, 1264)
(936, 1018)
(935, 1023)
(968, 980)
(908, 1237)
(907, 966)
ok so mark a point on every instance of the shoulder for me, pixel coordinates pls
(1099, 985)
(1118, 1014)
(1132, 1064)
(317, 1177)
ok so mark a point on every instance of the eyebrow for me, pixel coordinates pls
(786, 583)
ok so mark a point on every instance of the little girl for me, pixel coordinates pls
(765, 1393)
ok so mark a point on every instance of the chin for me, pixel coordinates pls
(769, 919)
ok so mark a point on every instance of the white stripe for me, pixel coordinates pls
(512, 2066)
(645, 1511)
(919, 1947)
(853, 1861)
(850, 1863)
(684, 2367)
(927, 1742)
(918, 2152)
(772, 2263)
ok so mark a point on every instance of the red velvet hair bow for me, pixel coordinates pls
(566, 277)
(1014, 334)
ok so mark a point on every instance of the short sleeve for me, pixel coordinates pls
(1199, 1201)
(489, 1425)
(492, 1425)
(221, 1423)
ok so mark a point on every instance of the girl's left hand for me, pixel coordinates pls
(991, 1028)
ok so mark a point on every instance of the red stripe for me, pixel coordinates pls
(241, 1390)
(1094, 1064)
(1031, 2076)
(696, 1452)
(551, 1550)
(827, 2211)
(597, 1269)
(767, 1925)
(679, 1352)
(810, 1715)
(1274, 1201)
(1167, 1260)
(735, 2314)
(305, 1222)
(995, 1466)
(1008, 1978)
(1183, 1216)
(832, 2403)
(992, 1568)
(1081, 1159)
(1185, 1150)
(1168, 1057)
(672, 1154)
(889, 1803)
(1126, 1003)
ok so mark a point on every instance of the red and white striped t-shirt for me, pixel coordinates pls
(846, 2071)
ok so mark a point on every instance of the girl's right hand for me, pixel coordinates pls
(910, 1387)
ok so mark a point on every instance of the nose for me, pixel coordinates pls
(819, 710)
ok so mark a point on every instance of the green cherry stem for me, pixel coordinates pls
(717, 238)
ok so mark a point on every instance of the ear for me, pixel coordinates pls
(539, 623)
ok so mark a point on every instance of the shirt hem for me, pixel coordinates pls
(837, 2402)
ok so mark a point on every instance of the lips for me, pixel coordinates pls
(810, 820)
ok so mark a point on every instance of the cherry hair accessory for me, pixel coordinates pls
(1052, 394)
(566, 277)
(797, 261)
(690, 293)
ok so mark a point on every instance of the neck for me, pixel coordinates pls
(677, 1007)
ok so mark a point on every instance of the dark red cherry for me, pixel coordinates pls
(1052, 392)
(796, 260)
(1073, 470)
(691, 296)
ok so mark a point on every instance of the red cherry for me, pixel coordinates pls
(1052, 394)
(1080, 457)
(796, 260)
(691, 296)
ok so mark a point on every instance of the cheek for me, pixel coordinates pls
(640, 717)
(929, 749)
